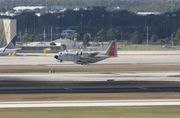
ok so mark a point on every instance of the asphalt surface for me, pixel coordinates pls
(140, 57)
(90, 82)
(125, 76)
(162, 81)
(121, 59)
(91, 89)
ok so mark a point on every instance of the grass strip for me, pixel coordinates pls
(94, 112)
(89, 96)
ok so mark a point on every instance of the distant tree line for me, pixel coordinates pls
(101, 24)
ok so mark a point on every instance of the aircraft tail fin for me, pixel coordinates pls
(11, 44)
(112, 49)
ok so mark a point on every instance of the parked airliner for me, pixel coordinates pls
(10, 47)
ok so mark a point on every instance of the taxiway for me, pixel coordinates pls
(121, 59)
(125, 76)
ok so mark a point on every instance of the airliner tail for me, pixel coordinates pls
(11, 44)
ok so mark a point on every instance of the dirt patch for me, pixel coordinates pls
(90, 96)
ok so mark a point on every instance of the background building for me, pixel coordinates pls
(7, 30)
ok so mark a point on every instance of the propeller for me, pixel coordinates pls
(81, 52)
(56, 56)
(77, 53)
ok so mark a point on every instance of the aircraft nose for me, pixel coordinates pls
(56, 57)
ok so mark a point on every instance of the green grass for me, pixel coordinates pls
(93, 112)
(141, 47)
(145, 47)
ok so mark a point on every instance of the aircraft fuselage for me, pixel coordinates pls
(86, 58)
(79, 59)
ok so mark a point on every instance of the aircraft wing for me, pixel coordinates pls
(89, 55)
(88, 59)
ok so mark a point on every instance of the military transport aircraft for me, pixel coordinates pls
(86, 58)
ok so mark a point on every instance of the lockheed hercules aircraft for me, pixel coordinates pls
(87, 58)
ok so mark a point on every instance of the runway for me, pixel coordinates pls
(122, 59)
(125, 76)
(91, 82)
(95, 103)
(89, 77)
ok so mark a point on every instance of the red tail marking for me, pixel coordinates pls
(111, 52)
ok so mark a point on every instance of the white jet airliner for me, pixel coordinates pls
(86, 58)
(10, 47)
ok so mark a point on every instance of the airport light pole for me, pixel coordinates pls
(62, 21)
(172, 43)
(102, 19)
(51, 33)
(24, 18)
(58, 17)
(20, 36)
(81, 21)
(111, 19)
(174, 18)
(26, 38)
(44, 32)
(34, 25)
(147, 35)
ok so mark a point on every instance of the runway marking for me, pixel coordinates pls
(93, 103)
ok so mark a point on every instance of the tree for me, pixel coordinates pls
(111, 34)
(97, 39)
(24, 38)
(31, 38)
(102, 35)
(91, 22)
(27, 38)
(86, 40)
(118, 31)
(136, 38)
(75, 36)
(154, 38)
